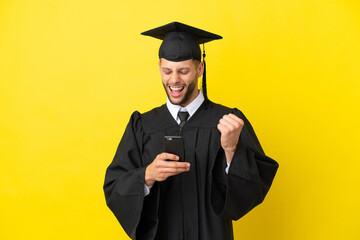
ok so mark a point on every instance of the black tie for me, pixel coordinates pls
(183, 118)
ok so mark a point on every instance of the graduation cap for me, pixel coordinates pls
(181, 42)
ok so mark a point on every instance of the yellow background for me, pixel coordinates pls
(72, 72)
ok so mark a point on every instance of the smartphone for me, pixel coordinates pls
(175, 145)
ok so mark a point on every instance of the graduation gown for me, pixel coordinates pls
(195, 205)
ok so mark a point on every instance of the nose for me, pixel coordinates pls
(175, 78)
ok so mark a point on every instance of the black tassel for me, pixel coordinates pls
(204, 74)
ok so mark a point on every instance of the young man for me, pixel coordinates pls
(224, 173)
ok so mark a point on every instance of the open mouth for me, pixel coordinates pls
(176, 90)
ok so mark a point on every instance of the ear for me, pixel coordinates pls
(200, 69)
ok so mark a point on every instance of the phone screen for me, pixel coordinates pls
(175, 145)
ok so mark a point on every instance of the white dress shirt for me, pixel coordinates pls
(191, 108)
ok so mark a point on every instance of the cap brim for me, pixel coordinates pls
(201, 35)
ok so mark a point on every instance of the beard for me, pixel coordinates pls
(189, 91)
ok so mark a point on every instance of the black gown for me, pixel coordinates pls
(199, 204)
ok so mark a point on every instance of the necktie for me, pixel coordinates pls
(183, 118)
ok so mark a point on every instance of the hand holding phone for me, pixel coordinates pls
(164, 165)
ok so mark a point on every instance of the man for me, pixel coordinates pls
(224, 173)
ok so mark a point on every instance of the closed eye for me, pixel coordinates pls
(184, 71)
(166, 71)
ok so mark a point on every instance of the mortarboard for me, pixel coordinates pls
(181, 42)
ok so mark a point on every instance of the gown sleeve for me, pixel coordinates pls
(249, 178)
(125, 176)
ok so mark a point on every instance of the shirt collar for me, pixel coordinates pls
(191, 108)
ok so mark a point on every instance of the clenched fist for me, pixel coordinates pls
(230, 127)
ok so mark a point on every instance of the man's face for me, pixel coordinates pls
(180, 80)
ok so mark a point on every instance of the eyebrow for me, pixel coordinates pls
(184, 68)
(166, 69)
(180, 69)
